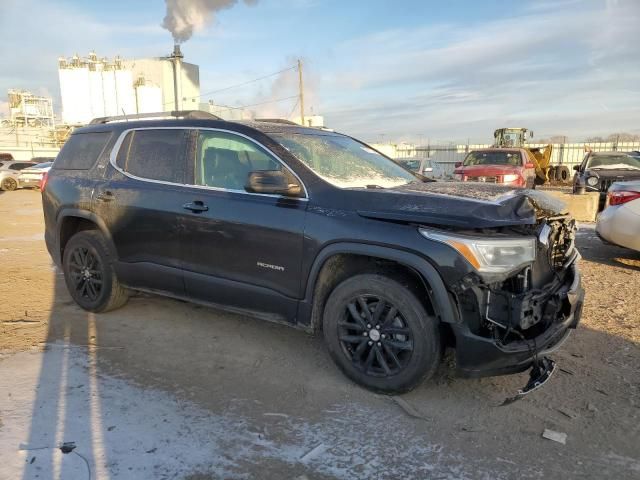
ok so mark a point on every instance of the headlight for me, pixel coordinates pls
(592, 181)
(510, 178)
(489, 255)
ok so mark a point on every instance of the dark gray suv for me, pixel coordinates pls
(317, 230)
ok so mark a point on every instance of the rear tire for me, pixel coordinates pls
(89, 274)
(380, 335)
(9, 184)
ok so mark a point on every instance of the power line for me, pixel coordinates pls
(227, 107)
(230, 87)
(293, 109)
(248, 81)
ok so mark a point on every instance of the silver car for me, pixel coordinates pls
(619, 222)
(32, 176)
(9, 171)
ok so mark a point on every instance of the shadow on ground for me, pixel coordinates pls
(595, 250)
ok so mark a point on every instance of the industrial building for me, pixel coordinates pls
(29, 110)
(93, 87)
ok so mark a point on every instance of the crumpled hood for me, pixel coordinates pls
(457, 204)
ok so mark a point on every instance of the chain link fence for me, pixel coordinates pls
(444, 157)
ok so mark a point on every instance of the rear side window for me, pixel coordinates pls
(20, 166)
(81, 151)
(154, 154)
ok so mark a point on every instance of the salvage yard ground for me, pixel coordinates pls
(166, 389)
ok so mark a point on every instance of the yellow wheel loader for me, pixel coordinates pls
(539, 156)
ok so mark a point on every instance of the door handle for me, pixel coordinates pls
(106, 196)
(196, 206)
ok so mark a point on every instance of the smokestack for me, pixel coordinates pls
(176, 58)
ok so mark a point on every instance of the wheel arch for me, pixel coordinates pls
(71, 221)
(316, 294)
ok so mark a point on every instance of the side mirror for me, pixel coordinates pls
(529, 165)
(272, 182)
(576, 167)
(457, 164)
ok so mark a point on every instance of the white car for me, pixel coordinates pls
(619, 222)
(32, 176)
(9, 171)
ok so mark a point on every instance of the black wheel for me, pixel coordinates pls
(89, 274)
(9, 184)
(380, 335)
(562, 173)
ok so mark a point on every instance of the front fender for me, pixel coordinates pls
(440, 297)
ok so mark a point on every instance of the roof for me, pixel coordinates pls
(498, 149)
(264, 126)
(610, 154)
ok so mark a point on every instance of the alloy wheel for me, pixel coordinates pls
(375, 336)
(9, 184)
(86, 273)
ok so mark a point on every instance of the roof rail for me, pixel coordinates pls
(185, 114)
(277, 120)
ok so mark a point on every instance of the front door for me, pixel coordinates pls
(241, 249)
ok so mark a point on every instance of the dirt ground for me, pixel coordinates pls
(166, 389)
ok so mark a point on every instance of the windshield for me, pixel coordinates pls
(344, 162)
(493, 158)
(613, 162)
(43, 165)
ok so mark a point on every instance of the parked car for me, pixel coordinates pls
(31, 177)
(317, 230)
(508, 166)
(9, 171)
(619, 222)
(599, 170)
(418, 165)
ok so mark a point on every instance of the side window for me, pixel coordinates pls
(20, 166)
(154, 154)
(224, 160)
(81, 150)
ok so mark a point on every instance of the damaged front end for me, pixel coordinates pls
(518, 305)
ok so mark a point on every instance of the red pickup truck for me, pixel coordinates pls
(508, 166)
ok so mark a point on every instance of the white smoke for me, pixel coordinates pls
(187, 16)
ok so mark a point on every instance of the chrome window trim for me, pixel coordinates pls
(116, 149)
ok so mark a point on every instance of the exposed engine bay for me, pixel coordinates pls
(525, 304)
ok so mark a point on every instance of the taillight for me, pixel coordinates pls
(43, 181)
(622, 196)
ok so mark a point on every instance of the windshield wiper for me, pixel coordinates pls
(373, 187)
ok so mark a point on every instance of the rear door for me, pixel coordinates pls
(141, 201)
(241, 249)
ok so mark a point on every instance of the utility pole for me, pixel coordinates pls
(301, 87)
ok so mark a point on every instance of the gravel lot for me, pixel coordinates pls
(165, 389)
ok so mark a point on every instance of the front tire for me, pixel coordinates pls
(380, 335)
(89, 274)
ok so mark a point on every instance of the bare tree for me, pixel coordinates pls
(623, 137)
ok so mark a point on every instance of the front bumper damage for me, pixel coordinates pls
(511, 343)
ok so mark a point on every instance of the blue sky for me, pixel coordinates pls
(398, 70)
